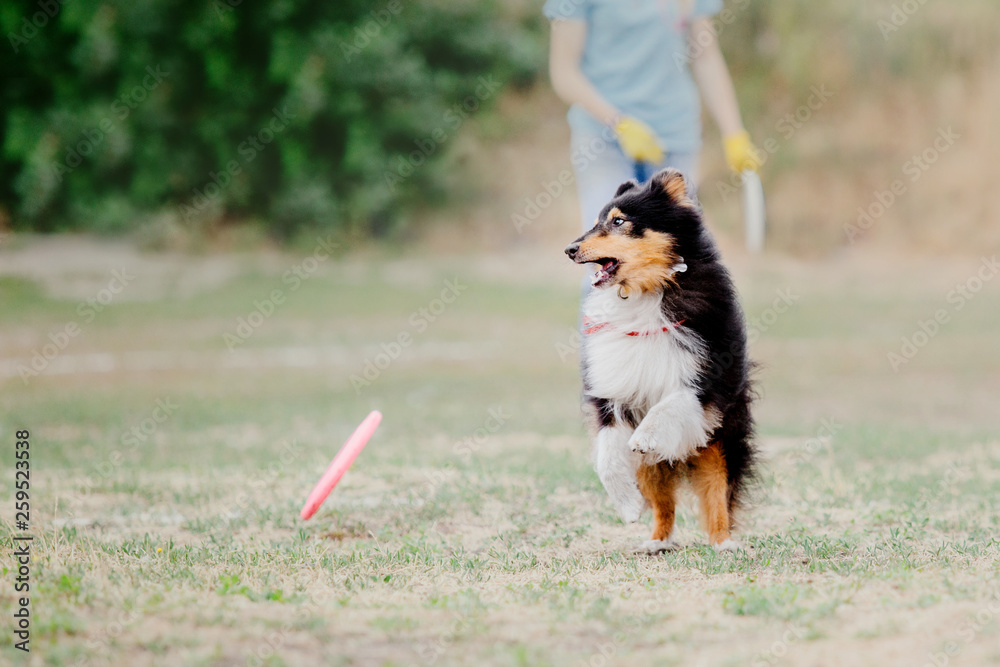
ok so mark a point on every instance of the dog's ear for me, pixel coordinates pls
(626, 186)
(672, 183)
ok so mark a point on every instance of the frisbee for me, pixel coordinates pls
(754, 212)
(341, 462)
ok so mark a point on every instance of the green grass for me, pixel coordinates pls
(873, 533)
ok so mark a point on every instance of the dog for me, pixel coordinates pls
(666, 376)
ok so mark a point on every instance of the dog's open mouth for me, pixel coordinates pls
(608, 267)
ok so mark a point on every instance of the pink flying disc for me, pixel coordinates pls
(341, 462)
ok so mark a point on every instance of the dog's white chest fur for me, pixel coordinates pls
(641, 370)
(653, 377)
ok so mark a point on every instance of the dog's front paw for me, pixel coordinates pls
(655, 547)
(642, 441)
(672, 430)
(658, 440)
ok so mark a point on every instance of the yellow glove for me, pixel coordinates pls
(741, 154)
(638, 141)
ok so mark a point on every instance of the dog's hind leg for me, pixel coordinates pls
(658, 484)
(710, 480)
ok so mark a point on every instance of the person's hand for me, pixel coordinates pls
(637, 140)
(741, 154)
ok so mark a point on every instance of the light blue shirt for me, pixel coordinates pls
(636, 55)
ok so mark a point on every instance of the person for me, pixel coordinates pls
(631, 71)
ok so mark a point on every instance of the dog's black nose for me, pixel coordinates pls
(572, 249)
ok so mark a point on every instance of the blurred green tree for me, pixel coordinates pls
(304, 113)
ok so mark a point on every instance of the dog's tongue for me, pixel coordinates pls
(603, 272)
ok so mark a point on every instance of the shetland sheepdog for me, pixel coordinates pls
(666, 377)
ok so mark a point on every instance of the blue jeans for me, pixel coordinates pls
(601, 166)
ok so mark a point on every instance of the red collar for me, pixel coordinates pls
(591, 328)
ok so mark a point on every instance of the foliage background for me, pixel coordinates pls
(363, 80)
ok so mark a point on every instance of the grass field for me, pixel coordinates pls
(168, 471)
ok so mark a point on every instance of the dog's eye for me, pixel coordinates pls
(618, 222)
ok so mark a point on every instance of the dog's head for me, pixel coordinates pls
(641, 234)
